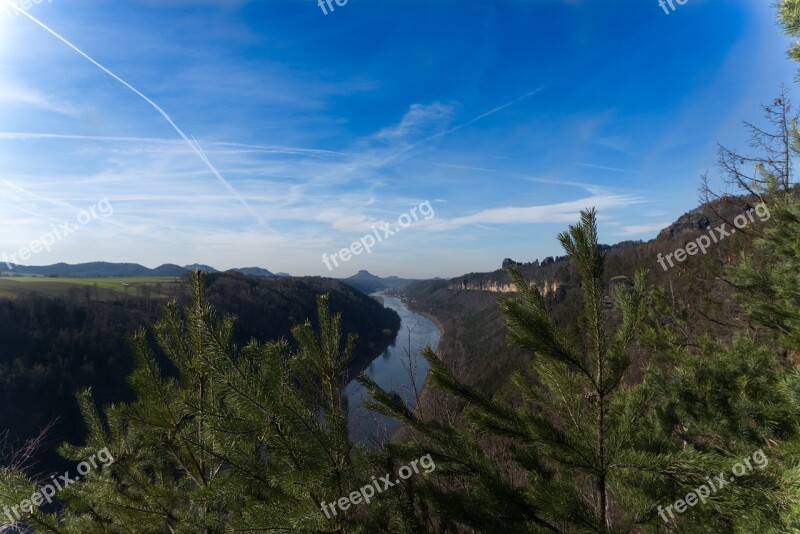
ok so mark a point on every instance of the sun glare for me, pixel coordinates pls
(7, 22)
(5, 27)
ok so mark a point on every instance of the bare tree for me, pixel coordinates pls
(776, 149)
(20, 456)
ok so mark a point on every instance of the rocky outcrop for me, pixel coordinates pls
(694, 220)
(712, 214)
(624, 281)
(557, 290)
(480, 284)
(509, 263)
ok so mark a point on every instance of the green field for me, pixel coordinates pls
(96, 288)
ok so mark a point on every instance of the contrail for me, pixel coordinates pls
(193, 144)
(601, 167)
(464, 125)
(480, 117)
(262, 148)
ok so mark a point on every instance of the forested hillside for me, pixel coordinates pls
(51, 348)
(467, 307)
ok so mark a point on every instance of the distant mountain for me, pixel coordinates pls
(254, 271)
(168, 269)
(283, 275)
(367, 282)
(204, 268)
(94, 269)
(121, 270)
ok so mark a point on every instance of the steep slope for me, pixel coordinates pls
(474, 330)
(50, 348)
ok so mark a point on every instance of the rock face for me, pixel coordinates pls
(694, 220)
(509, 263)
(701, 218)
(624, 281)
(558, 291)
(479, 284)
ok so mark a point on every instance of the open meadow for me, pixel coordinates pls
(90, 288)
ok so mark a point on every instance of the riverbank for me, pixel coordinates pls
(398, 369)
(425, 402)
(431, 403)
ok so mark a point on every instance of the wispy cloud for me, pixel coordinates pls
(245, 147)
(617, 143)
(19, 95)
(561, 212)
(472, 121)
(418, 120)
(602, 167)
(191, 142)
(641, 229)
(348, 222)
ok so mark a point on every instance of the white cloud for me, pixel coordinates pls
(641, 229)
(349, 222)
(563, 212)
(19, 95)
(419, 119)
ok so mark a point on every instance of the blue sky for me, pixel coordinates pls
(304, 131)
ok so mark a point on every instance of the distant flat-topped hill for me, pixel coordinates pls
(367, 282)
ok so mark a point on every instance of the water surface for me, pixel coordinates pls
(393, 371)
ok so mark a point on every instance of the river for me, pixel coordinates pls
(393, 371)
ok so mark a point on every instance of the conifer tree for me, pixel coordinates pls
(252, 439)
(789, 17)
(733, 396)
(583, 451)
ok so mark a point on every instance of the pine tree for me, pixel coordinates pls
(789, 17)
(770, 279)
(769, 292)
(729, 399)
(582, 451)
(229, 440)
